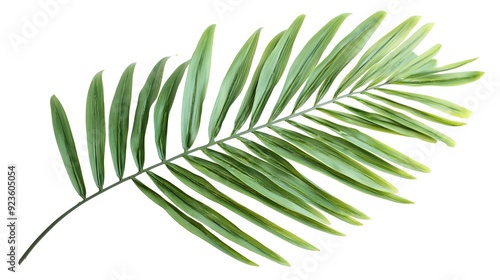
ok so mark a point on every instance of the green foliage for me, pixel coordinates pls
(331, 137)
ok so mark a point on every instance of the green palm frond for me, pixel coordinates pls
(331, 136)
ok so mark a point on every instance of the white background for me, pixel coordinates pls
(451, 233)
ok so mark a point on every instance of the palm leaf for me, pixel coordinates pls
(147, 96)
(66, 145)
(196, 88)
(118, 120)
(163, 107)
(327, 137)
(446, 79)
(96, 129)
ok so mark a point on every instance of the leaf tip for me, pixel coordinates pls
(284, 262)
(338, 233)
(362, 216)
(211, 28)
(410, 177)
(53, 99)
(313, 248)
(451, 143)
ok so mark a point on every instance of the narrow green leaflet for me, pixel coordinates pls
(378, 51)
(96, 129)
(355, 120)
(434, 102)
(203, 187)
(293, 153)
(213, 219)
(66, 145)
(336, 160)
(447, 79)
(407, 121)
(191, 225)
(416, 112)
(221, 175)
(163, 106)
(353, 151)
(147, 96)
(343, 52)
(281, 163)
(371, 144)
(305, 62)
(265, 186)
(196, 88)
(395, 59)
(288, 182)
(118, 120)
(434, 69)
(386, 121)
(233, 84)
(273, 69)
(247, 103)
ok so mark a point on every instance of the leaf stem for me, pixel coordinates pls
(232, 136)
